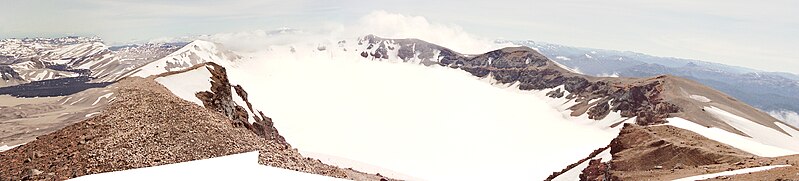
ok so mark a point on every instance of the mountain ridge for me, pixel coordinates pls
(653, 107)
(535, 71)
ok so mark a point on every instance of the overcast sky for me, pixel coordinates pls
(756, 34)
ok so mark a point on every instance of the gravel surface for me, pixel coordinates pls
(148, 126)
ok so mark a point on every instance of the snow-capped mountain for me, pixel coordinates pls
(604, 103)
(768, 91)
(194, 53)
(28, 60)
(407, 109)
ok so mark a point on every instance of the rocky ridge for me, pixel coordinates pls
(648, 100)
(643, 151)
(36, 59)
(147, 126)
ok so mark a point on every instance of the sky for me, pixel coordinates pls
(755, 34)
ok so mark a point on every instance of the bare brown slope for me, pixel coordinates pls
(23, 119)
(146, 126)
(666, 153)
(649, 100)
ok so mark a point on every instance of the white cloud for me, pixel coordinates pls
(789, 117)
(380, 23)
(392, 115)
(392, 25)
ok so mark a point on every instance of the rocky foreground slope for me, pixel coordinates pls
(146, 125)
(149, 122)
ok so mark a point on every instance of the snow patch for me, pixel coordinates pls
(81, 99)
(614, 74)
(242, 166)
(185, 85)
(6, 147)
(759, 133)
(563, 58)
(728, 173)
(360, 166)
(107, 95)
(788, 129)
(376, 103)
(699, 98)
(743, 143)
(92, 114)
(194, 53)
(573, 70)
(574, 173)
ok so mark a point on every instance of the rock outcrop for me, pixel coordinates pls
(221, 99)
(147, 126)
(597, 171)
(662, 153)
(638, 98)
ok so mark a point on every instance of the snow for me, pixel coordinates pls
(242, 166)
(81, 99)
(60, 61)
(238, 100)
(6, 147)
(793, 132)
(614, 74)
(728, 173)
(699, 98)
(574, 173)
(360, 166)
(758, 132)
(421, 121)
(186, 85)
(743, 143)
(107, 95)
(573, 70)
(562, 58)
(92, 114)
(196, 52)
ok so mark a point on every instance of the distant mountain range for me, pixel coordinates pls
(774, 92)
(511, 113)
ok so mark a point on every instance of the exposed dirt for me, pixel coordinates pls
(571, 166)
(665, 153)
(777, 174)
(148, 126)
(649, 100)
(23, 119)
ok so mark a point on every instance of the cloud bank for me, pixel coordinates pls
(789, 117)
(380, 23)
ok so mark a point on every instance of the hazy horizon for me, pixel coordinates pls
(756, 35)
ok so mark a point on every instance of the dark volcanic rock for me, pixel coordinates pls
(534, 71)
(597, 171)
(7, 73)
(220, 99)
(52, 87)
(599, 111)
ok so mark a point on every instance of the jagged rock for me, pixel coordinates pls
(220, 99)
(597, 171)
(557, 93)
(599, 111)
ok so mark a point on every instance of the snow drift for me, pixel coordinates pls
(431, 123)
